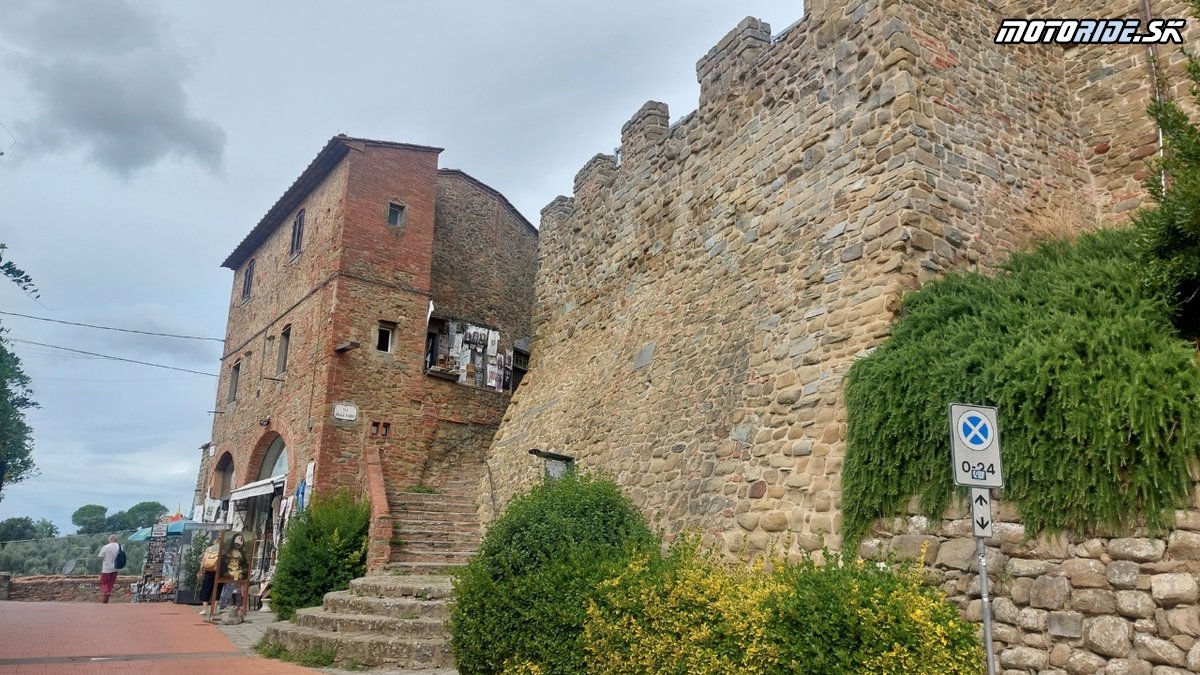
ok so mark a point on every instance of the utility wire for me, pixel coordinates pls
(123, 330)
(114, 358)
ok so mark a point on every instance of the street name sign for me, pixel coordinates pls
(975, 446)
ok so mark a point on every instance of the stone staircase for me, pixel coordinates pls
(434, 533)
(398, 618)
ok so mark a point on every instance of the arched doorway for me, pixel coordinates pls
(275, 460)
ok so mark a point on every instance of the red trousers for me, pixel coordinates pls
(107, 579)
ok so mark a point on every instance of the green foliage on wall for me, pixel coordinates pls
(1170, 232)
(1099, 399)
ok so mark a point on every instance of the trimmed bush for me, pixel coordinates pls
(1099, 399)
(520, 604)
(690, 613)
(686, 613)
(326, 547)
(849, 617)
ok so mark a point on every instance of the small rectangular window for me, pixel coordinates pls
(384, 336)
(234, 375)
(395, 214)
(247, 280)
(387, 426)
(297, 234)
(285, 341)
(374, 428)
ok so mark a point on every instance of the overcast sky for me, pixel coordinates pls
(142, 141)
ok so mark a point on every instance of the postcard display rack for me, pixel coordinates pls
(159, 576)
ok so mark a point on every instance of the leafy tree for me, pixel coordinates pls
(142, 514)
(90, 518)
(45, 528)
(18, 529)
(1170, 233)
(16, 397)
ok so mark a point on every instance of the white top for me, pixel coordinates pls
(108, 554)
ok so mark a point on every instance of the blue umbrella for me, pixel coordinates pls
(174, 528)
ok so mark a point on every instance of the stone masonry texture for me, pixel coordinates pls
(702, 294)
(461, 245)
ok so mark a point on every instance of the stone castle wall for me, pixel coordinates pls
(701, 296)
(700, 301)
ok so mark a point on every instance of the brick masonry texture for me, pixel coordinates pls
(461, 245)
(701, 296)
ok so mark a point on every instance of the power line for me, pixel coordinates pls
(114, 358)
(123, 330)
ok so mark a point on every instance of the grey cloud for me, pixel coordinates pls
(121, 100)
(95, 26)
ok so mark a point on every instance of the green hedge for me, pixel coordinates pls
(1099, 400)
(523, 600)
(326, 547)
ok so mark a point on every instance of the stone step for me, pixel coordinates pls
(345, 602)
(402, 569)
(366, 649)
(429, 587)
(434, 504)
(332, 622)
(437, 527)
(428, 544)
(408, 515)
(448, 557)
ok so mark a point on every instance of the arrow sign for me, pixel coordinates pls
(981, 512)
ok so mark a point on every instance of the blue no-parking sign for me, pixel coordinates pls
(975, 446)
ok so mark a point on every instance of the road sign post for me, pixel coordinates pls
(975, 463)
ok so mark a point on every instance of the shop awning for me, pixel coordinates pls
(263, 487)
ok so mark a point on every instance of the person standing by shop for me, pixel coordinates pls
(108, 567)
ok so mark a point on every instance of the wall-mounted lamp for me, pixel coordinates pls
(346, 346)
(264, 422)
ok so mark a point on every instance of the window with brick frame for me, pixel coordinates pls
(247, 281)
(297, 235)
(285, 341)
(396, 214)
(385, 336)
(235, 374)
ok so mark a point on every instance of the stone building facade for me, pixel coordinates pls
(331, 376)
(702, 293)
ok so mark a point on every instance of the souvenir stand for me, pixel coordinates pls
(189, 582)
(159, 572)
(224, 568)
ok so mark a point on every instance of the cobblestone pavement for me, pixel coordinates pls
(130, 639)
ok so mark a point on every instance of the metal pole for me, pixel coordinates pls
(987, 606)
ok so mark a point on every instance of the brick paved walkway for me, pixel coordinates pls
(149, 638)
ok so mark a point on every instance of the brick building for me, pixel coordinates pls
(377, 312)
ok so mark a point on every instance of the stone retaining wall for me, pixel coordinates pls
(59, 588)
(1067, 604)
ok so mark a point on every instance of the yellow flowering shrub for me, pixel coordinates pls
(851, 617)
(686, 614)
(690, 614)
